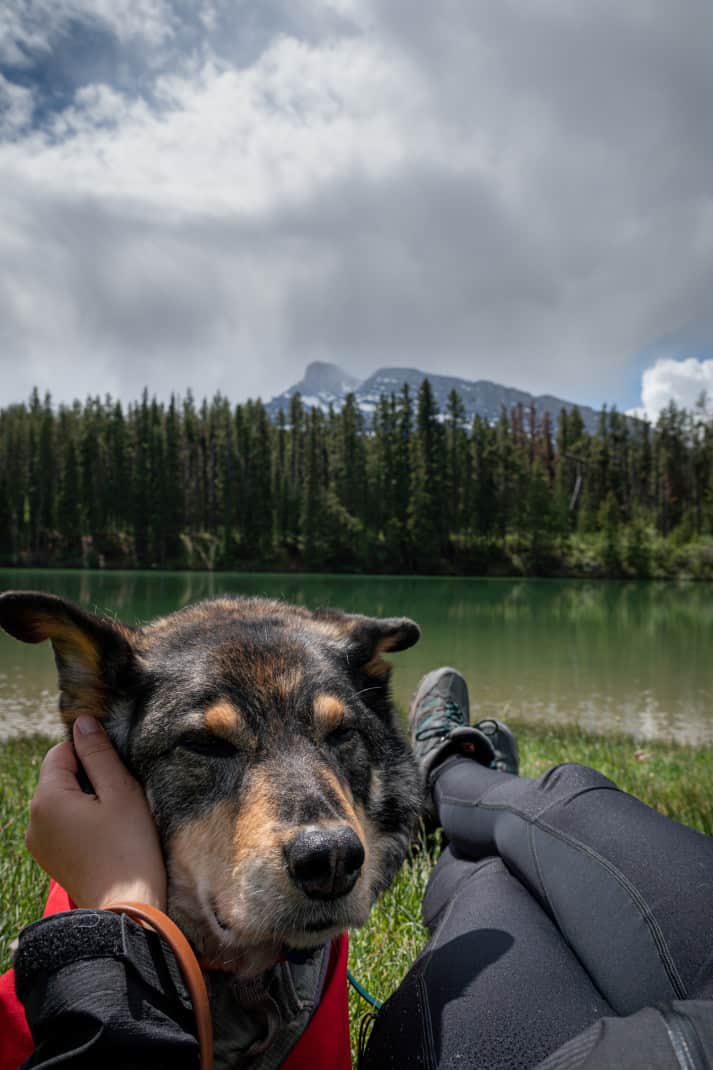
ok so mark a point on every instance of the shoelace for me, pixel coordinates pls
(446, 716)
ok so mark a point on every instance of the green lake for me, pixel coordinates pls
(607, 655)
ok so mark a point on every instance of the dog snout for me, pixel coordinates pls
(325, 863)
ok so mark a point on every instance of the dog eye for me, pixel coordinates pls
(210, 746)
(342, 734)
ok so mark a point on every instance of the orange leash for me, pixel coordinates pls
(150, 917)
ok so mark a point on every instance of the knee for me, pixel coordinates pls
(570, 778)
(447, 879)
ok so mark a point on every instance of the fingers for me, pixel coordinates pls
(59, 768)
(102, 764)
(57, 783)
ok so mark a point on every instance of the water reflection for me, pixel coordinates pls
(634, 656)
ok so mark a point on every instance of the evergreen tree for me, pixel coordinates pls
(118, 480)
(259, 478)
(16, 468)
(174, 503)
(141, 481)
(609, 527)
(313, 490)
(69, 506)
(458, 470)
(541, 519)
(159, 509)
(91, 475)
(381, 476)
(281, 481)
(397, 531)
(191, 470)
(485, 499)
(671, 467)
(295, 462)
(427, 516)
(350, 459)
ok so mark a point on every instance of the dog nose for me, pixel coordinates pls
(325, 863)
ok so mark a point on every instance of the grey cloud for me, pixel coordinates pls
(151, 304)
(419, 272)
(245, 29)
(583, 236)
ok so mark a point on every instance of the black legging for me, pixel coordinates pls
(558, 901)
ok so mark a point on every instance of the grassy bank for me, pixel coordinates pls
(632, 553)
(676, 780)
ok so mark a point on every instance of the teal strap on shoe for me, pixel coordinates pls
(446, 716)
(363, 992)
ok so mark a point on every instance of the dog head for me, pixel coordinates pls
(265, 740)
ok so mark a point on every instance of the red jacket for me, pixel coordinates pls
(324, 1045)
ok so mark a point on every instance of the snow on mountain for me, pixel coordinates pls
(326, 384)
(323, 385)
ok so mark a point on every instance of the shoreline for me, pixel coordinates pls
(248, 568)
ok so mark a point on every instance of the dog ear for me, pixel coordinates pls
(365, 639)
(93, 655)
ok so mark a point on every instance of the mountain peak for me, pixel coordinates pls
(326, 385)
(322, 377)
(322, 385)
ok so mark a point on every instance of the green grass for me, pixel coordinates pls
(23, 885)
(676, 780)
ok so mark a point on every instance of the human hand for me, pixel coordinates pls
(103, 847)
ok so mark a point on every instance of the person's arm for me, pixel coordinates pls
(101, 992)
(97, 989)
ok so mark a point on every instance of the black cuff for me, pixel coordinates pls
(48, 945)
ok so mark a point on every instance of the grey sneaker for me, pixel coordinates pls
(438, 723)
(504, 744)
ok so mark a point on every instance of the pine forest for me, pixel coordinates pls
(220, 486)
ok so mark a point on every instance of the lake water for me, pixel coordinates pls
(631, 656)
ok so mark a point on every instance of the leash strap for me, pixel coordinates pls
(363, 992)
(150, 917)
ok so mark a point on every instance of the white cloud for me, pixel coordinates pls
(238, 142)
(681, 381)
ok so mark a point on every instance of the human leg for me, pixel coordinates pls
(496, 987)
(527, 948)
(630, 890)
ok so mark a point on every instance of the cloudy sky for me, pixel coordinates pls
(212, 193)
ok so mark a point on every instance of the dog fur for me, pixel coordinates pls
(247, 721)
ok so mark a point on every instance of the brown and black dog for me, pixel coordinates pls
(265, 739)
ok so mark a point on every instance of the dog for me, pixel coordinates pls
(265, 739)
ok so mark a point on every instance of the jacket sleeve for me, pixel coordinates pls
(101, 991)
